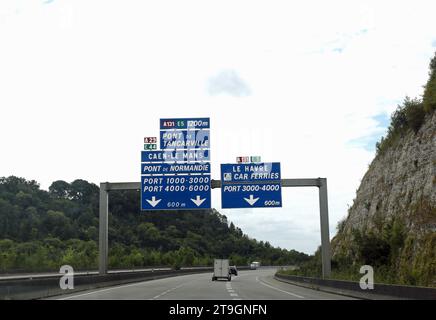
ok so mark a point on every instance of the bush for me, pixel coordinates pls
(429, 97)
(410, 115)
(414, 113)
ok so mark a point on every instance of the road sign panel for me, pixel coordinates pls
(175, 168)
(175, 192)
(150, 146)
(251, 185)
(260, 195)
(175, 155)
(178, 176)
(242, 159)
(250, 172)
(256, 159)
(185, 139)
(184, 123)
(150, 139)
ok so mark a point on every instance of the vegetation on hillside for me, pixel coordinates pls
(42, 230)
(391, 251)
(410, 115)
(389, 247)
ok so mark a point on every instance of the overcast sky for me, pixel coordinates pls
(311, 85)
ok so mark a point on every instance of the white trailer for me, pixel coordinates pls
(221, 270)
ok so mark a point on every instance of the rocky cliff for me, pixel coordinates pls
(393, 218)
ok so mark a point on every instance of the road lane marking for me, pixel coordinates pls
(231, 291)
(103, 290)
(269, 286)
(112, 288)
(167, 291)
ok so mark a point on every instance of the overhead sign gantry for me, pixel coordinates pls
(179, 177)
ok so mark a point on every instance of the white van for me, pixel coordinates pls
(221, 270)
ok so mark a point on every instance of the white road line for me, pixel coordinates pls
(230, 290)
(103, 290)
(287, 292)
(233, 294)
(167, 291)
(108, 289)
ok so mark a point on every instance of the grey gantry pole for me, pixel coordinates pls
(321, 183)
(105, 187)
(103, 229)
(325, 235)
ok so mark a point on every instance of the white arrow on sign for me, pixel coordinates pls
(251, 200)
(153, 202)
(198, 201)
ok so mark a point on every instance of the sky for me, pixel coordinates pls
(309, 84)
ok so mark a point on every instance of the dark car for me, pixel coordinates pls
(233, 270)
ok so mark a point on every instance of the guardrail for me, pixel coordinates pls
(40, 286)
(352, 288)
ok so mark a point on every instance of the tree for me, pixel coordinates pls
(58, 225)
(148, 234)
(429, 97)
(414, 113)
(60, 189)
(83, 191)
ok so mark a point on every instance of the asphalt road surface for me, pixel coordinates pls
(248, 285)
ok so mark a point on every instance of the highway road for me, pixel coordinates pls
(248, 285)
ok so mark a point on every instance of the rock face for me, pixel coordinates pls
(400, 185)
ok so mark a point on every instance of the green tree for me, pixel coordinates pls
(60, 189)
(429, 97)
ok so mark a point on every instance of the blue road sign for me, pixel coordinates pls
(251, 185)
(175, 192)
(178, 176)
(184, 139)
(259, 195)
(250, 172)
(173, 168)
(175, 155)
(185, 123)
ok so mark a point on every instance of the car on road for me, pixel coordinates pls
(233, 270)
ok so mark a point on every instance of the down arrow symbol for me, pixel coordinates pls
(153, 202)
(198, 201)
(251, 200)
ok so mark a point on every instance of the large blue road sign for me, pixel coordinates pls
(175, 168)
(178, 176)
(165, 192)
(185, 123)
(175, 155)
(251, 185)
(251, 195)
(185, 139)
